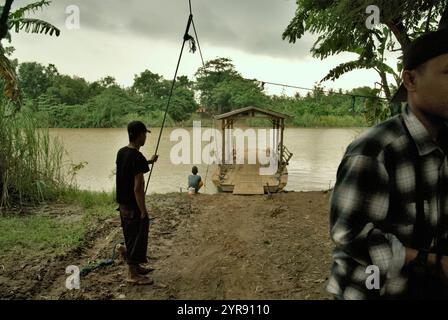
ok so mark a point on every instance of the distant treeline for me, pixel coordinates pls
(58, 100)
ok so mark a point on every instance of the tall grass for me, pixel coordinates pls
(30, 161)
(309, 120)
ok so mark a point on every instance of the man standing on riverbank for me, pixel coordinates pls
(389, 206)
(131, 166)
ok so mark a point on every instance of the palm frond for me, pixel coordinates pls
(33, 26)
(383, 66)
(343, 68)
(33, 7)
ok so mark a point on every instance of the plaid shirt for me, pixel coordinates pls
(373, 205)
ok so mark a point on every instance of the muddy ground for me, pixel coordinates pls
(203, 247)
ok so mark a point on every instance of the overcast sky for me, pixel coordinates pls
(123, 38)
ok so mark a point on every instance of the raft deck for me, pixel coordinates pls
(246, 179)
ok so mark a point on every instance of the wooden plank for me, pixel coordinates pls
(248, 180)
(271, 181)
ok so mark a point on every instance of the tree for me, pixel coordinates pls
(211, 75)
(33, 79)
(182, 104)
(18, 21)
(154, 90)
(108, 82)
(96, 87)
(106, 109)
(236, 93)
(69, 90)
(222, 88)
(377, 63)
(152, 84)
(183, 81)
(341, 27)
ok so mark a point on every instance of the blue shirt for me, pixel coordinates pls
(193, 181)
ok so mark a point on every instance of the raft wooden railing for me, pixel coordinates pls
(287, 155)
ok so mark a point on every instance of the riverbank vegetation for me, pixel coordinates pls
(32, 169)
(62, 101)
(30, 162)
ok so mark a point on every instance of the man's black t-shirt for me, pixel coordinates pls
(129, 162)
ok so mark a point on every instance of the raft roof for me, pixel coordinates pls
(250, 112)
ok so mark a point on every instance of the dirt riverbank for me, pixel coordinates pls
(203, 247)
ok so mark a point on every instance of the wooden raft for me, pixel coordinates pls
(247, 180)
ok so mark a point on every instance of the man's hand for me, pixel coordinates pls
(153, 159)
(441, 272)
(139, 192)
(144, 215)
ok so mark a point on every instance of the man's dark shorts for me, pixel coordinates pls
(135, 231)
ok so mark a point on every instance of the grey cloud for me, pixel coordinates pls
(252, 26)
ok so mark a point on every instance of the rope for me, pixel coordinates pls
(186, 38)
(86, 270)
(208, 164)
(211, 115)
(310, 89)
(106, 262)
(199, 46)
(212, 118)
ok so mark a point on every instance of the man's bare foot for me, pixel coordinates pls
(135, 278)
(142, 270)
(139, 280)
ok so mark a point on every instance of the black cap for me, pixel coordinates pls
(135, 128)
(421, 50)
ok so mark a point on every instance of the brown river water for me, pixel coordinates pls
(316, 156)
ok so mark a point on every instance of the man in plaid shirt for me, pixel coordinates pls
(389, 206)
